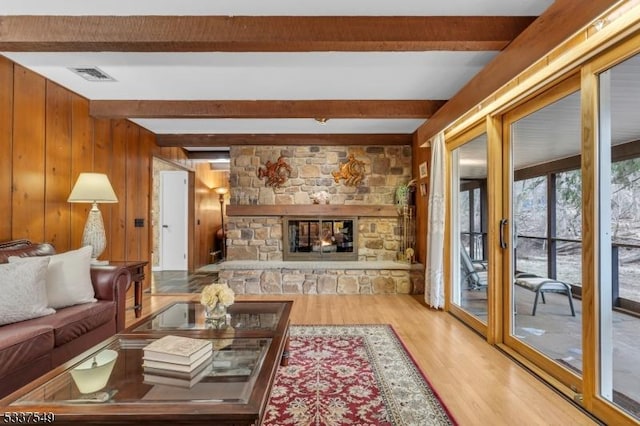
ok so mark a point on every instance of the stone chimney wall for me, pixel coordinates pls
(260, 238)
(386, 167)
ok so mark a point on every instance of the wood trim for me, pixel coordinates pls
(466, 136)
(599, 406)
(265, 109)
(226, 140)
(447, 259)
(495, 256)
(558, 23)
(259, 33)
(6, 146)
(418, 156)
(590, 232)
(542, 361)
(312, 210)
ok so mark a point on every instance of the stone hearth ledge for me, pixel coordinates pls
(326, 277)
(293, 264)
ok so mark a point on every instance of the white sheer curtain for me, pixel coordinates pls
(434, 281)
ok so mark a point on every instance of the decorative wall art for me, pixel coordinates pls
(352, 172)
(275, 174)
(424, 171)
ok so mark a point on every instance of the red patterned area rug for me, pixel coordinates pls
(352, 375)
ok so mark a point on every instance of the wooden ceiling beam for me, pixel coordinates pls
(264, 109)
(225, 140)
(559, 22)
(257, 33)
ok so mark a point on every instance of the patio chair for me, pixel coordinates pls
(541, 285)
(474, 272)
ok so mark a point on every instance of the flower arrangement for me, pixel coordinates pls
(214, 293)
(320, 197)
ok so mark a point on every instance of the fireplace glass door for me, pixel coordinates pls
(315, 238)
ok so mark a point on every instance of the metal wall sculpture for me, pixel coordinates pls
(352, 172)
(275, 174)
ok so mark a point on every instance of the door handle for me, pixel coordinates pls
(503, 242)
(165, 226)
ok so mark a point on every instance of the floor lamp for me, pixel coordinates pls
(221, 191)
(93, 188)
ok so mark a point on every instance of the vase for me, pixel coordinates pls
(215, 316)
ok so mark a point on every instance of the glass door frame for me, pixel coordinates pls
(598, 51)
(594, 295)
(452, 236)
(569, 379)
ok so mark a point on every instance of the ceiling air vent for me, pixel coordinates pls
(92, 74)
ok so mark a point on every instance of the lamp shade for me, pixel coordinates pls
(92, 188)
(93, 374)
(221, 190)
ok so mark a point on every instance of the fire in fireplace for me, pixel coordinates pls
(319, 238)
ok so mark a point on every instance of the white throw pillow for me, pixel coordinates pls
(23, 294)
(68, 277)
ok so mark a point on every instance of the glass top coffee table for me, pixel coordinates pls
(232, 388)
(243, 317)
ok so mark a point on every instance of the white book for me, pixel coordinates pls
(151, 363)
(158, 379)
(177, 349)
(172, 372)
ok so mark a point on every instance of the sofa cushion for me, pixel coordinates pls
(24, 248)
(68, 277)
(21, 343)
(23, 294)
(74, 321)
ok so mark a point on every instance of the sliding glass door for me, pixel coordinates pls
(544, 216)
(544, 231)
(469, 237)
(618, 251)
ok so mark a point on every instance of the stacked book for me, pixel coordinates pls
(177, 361)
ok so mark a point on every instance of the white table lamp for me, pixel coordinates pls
(93, 188)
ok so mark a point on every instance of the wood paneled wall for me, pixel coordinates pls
(46, 139)
(207, 209)
(418, 156)
(50, 139)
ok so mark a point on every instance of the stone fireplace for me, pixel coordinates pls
(264, 223)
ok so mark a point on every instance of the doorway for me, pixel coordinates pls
(173, 200)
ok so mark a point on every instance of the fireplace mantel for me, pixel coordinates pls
(312, 210)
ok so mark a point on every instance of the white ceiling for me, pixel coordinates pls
(431, 75)
(278, 7)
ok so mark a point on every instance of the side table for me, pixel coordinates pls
(136, 269)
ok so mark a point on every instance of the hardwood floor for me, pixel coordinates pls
(478, 383)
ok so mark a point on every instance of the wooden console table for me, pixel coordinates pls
(136, 269)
